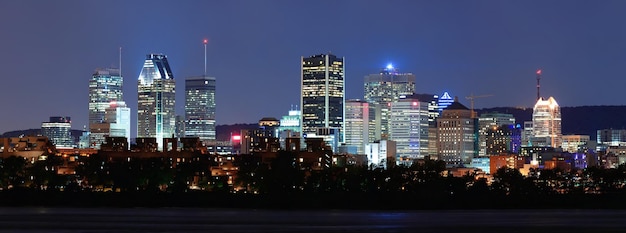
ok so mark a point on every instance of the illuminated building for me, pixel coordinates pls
(409, 128)
(456, 137)
(58, 131)
(381, 154)
(118, 116)
(610, 137)
(502, 139)
(381, 90)
(359, 125)
(105, 86)
(263, 139)
(444, 101)
(289, 127)
(156, 98)
(571, 143)
(200, 108)
(492, 121)
(322, 93)
(547, 123)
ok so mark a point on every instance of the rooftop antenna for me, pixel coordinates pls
(120, 61)
(205, 42)
(538, 78)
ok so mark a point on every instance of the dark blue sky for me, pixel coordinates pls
(49, 49)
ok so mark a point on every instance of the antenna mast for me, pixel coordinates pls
(121, 61)
(205, 41)
(538, 78)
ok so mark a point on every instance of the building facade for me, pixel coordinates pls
(156, 117)
(492, 121)
(381, 90)
(200, 108)
(323, 95)
(409, 128)
(547, 123)
(105, 86)
(359, 129)
(58, 131)
(456, 135)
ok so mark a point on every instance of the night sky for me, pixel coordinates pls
(50, 49)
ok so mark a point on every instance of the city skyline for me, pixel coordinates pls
(465, 48)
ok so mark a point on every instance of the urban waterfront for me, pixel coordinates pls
(42, 219)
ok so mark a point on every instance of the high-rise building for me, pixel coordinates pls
(444, 101)
(409, 128)
(118, 118)
(156, 99)
(200, 108)
(488, 121)
(456, 136)
(359, 125)
(384, 88)
(547, 123)
(322, 93)
(105, 86)
(58, 131)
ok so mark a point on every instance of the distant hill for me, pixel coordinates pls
(575, 120)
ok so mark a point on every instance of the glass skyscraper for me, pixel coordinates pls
(200, 108)
(156, 117)
(105, 87)
(408, 127)
(384, 88)
(322, 93)
(359, 126)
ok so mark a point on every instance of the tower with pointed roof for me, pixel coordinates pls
(456, 135)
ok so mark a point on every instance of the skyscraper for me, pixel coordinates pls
(359, 125)
(200, 108)
(322, 93)
(455, 128)
(408, 121)
(156, 98)
(58, 131)
(105, 87)
(384, 88)
(547, 123)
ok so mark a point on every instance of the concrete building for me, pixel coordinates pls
(572, 143)
(457, 137)
(491, 121)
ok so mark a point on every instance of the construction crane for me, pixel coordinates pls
(471, 99)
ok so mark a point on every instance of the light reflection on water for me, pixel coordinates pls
(167, 220)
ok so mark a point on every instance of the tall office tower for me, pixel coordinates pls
(58, 131)
(359, 125)
(105, 87)
(156, 98)
(384, 88)
(488, 121)
(455, 128)
(547, 123)
(409, 128)
(527, 134)
(322, 93)
(200, 108)
(118, 118)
